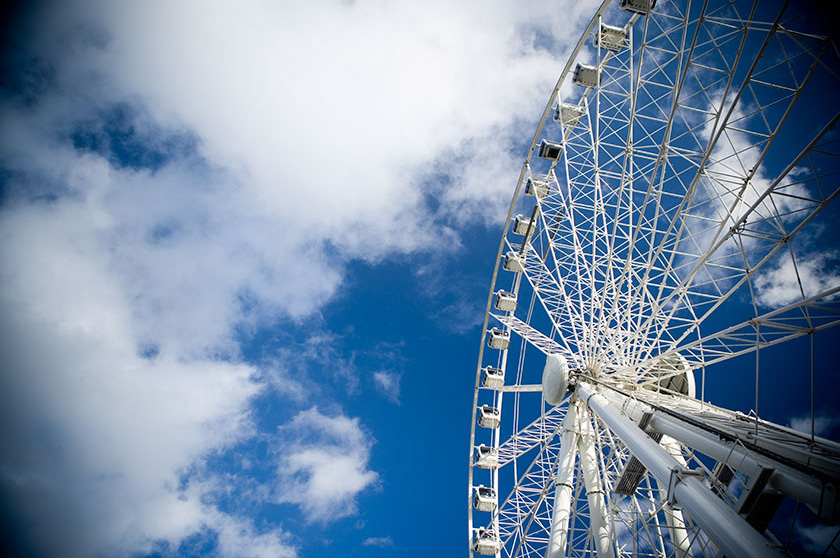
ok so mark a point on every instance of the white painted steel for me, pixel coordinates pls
(732, 534)
(599, 524)
(555, 379)
(786, 479)
(558, 534)
(673, 516)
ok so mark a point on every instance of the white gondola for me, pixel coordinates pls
(486, 457)
(535, 187)
(568, 114)
(484, 498)
(513, 262)
(550, 150)
(485, 542)
(587, 76)
(521, 224)
(504, 301)
(492, 377)
(489, 417)
(498, 339)
(642, 7)
(611, 38)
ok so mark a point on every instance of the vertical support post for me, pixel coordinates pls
(599, 524)
(563, 492)
(674, 517)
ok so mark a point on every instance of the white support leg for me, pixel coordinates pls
(785, 479)
(563, 491)
(674, 517)
(599, 524)
(728, 530)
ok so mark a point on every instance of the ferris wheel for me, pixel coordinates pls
(671, 227)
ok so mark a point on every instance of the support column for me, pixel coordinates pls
(728, 530)
(563, 492)
(785, 479)
(674, 517)
(599, 524)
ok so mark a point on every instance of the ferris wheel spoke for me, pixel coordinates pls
(803, 317)
(538, 433)
(687, 146)
(669, 93)
(764, 243)
(522, 515)
(536, 338)
(720, 172)
(549, 283)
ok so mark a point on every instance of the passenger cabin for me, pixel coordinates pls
(485, 542)
(489, 417)
(538, 188)
(512, 262)
(504, 301)
(484, 498)
(642, 7)
(611, 38)
(498, 339)
(486, 457)
(587, 76)
(550, 150)
(568, 114)
(492, 377)
(521, 224)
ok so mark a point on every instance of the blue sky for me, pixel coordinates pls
(246, 250)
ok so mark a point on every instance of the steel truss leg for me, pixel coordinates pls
(674, 517)
(599, 524)
(563, 491)
(786, 480)
(728, 530)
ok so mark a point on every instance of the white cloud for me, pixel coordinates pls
(89, 426)
(333, 109)
(323, 465)
(723, 198)
(239, 538)
(787, 283)
(822, 424)
(388, 383)
(379, 542)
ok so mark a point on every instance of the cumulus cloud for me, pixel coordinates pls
(323, 465)
(237, 537)
(88, 424)
(303, 110)
(788, 282)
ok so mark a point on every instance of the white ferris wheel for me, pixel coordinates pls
(671, 225)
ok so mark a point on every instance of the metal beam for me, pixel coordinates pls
(785, 479)
(599, 524)
(729, 531)
(561, 511)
